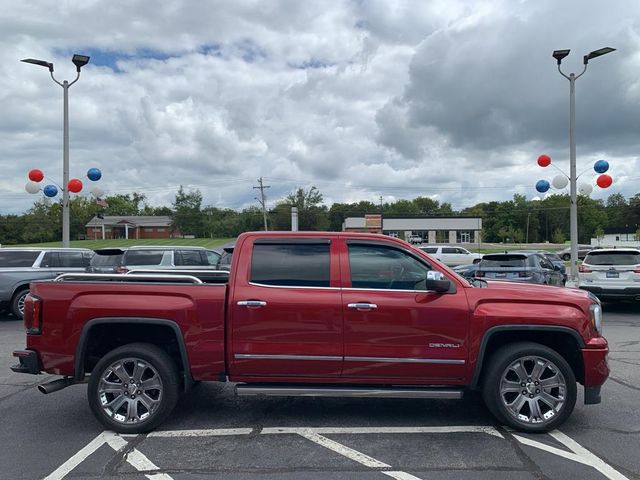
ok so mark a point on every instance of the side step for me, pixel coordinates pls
(391, 392)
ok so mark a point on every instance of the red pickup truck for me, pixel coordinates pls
(317, 313)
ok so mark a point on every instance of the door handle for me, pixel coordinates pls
(362, 306)
(252, 303)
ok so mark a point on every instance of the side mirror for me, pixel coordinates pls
(437, 282)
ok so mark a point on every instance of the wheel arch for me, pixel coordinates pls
(564, 340)
(155, 331)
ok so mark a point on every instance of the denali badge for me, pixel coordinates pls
(444, 345)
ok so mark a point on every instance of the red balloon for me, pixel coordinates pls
(74, 185)
(544, 160)
(36, 175)
(604, 181)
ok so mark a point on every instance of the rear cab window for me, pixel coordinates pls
(291, 263)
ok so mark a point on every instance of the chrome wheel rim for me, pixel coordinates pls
(533, 390)
(21, 302)
(130, 390)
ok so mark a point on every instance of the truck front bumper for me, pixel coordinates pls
(29, 362)
(596, 368)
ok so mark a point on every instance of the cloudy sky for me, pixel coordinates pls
(448, 99)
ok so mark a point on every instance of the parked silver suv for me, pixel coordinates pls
(20, 266)
(168, 257)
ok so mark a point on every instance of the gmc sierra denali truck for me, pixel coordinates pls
(316, 313)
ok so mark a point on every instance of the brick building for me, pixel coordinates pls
(130, 226)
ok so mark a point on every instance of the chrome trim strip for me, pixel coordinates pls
(348, 289)
(245, 356)
(406, 360)
(349, 392)
(293, 286)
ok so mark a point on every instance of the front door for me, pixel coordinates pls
(286, 311)
(396, 330)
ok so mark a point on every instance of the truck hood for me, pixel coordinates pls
(538, 292)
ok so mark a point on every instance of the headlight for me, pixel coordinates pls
(596, 317)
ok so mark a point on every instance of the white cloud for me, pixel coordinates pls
(450, 99)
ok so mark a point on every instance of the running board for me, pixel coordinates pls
(292, 391)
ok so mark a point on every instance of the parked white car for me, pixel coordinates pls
(611, 273)
(452, 256)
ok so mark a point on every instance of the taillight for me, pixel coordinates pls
(583, 269)
(32, 316)
(636, 270)
(122, 269)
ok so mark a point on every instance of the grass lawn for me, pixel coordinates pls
(95, 244)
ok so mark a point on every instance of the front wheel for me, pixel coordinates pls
(529, 387)
(133, 388)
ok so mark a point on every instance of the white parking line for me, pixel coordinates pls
(135, 458)
(579, 455)
(360, 430)
(77, 459)
(343, 450)
(201, 433)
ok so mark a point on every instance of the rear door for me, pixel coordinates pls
(396, 330)
(286, 309)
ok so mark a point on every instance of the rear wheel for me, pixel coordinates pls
(133, 388)
(529, 387)
(17, 303)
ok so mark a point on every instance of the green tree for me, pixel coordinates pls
(187, 216)
(558, 236)
(599, 233)
(312, 214)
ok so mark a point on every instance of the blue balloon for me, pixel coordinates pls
(94, 174)
(542, 186)
(50, 191)
(601, 166)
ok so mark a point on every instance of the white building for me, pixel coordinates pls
(449, 230)
(618, 237)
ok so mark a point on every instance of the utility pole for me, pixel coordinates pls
(263, 201)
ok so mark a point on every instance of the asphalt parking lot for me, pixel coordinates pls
(213, 434)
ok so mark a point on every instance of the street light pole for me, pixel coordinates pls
(573, 210)
(79, 61)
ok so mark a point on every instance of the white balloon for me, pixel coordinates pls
(97, 192)
(559, 182)
(32, 187)
(585, 189)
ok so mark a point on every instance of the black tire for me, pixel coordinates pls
(476, 261)
(566, 257)
(17, 303)
(156, 367)
(500, 376)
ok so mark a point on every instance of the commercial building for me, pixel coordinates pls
(130, 226)
(448, 230)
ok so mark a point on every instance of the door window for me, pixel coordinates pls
(189, 258)
(14, 258)
(291, 265)
(449, 250)
(212, 257)
(381, 267)
(70, 259)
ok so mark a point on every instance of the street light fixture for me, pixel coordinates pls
(572, 77)
(79, 61)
